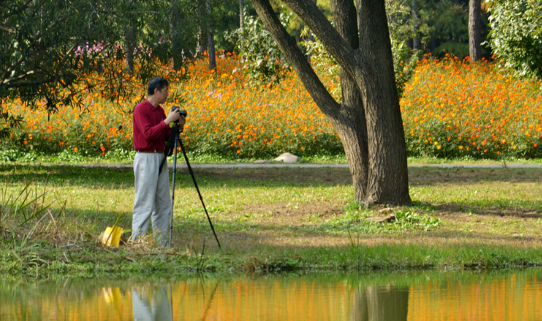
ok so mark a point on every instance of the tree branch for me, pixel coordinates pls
(310, 80)
(26, 83)
(345, 21)
(7, 29)
(331, 39)
(7, 81)
(6, 73)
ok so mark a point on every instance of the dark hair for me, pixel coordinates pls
(156, 83)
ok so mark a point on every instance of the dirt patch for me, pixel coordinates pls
(458, 212)
(293, 211)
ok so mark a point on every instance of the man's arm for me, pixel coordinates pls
(142, 121)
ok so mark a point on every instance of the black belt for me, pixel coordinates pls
(152, 151)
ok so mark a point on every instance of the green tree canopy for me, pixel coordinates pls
(516, 35)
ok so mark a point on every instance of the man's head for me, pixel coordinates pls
(158, 90)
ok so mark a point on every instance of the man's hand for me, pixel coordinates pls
(173, 117)
(182, 121)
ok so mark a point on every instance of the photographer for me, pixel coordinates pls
(151, 131)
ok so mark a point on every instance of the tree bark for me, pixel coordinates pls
(475, 30)
(370, 91)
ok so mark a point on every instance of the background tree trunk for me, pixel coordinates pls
(415, 25)
(475, 30)
(177, 47)
(210, 38)
(211, 51)
(129, 43)
(241, 15)
(202, 41)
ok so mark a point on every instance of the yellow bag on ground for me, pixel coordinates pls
(112, 236)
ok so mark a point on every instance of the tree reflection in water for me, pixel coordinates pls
(377, 303)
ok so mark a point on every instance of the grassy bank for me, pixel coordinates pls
(269, 220)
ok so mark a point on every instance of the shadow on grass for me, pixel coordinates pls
(115, 176)
(467, 176)
(499, 208)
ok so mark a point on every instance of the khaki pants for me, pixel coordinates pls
(152, 198)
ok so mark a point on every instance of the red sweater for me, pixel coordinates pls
(150, 131)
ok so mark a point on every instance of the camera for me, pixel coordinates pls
(182, 112)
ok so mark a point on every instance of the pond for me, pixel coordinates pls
(382, 296)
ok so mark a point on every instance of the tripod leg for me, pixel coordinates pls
(173, 188)
(197, 189)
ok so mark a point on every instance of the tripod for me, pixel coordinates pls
(173, 143)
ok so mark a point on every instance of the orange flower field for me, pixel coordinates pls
(450, 108)
(454, 108)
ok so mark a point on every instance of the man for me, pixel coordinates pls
(151, 131)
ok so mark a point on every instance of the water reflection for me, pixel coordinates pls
(151, 303)
(372, 303)
(502, 296)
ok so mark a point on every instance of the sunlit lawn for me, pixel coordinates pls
(302, 207)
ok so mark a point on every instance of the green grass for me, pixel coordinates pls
(270, 220)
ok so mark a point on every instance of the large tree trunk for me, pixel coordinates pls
(369, 91)
(388, 172)
(351, 124)
(475, 30)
